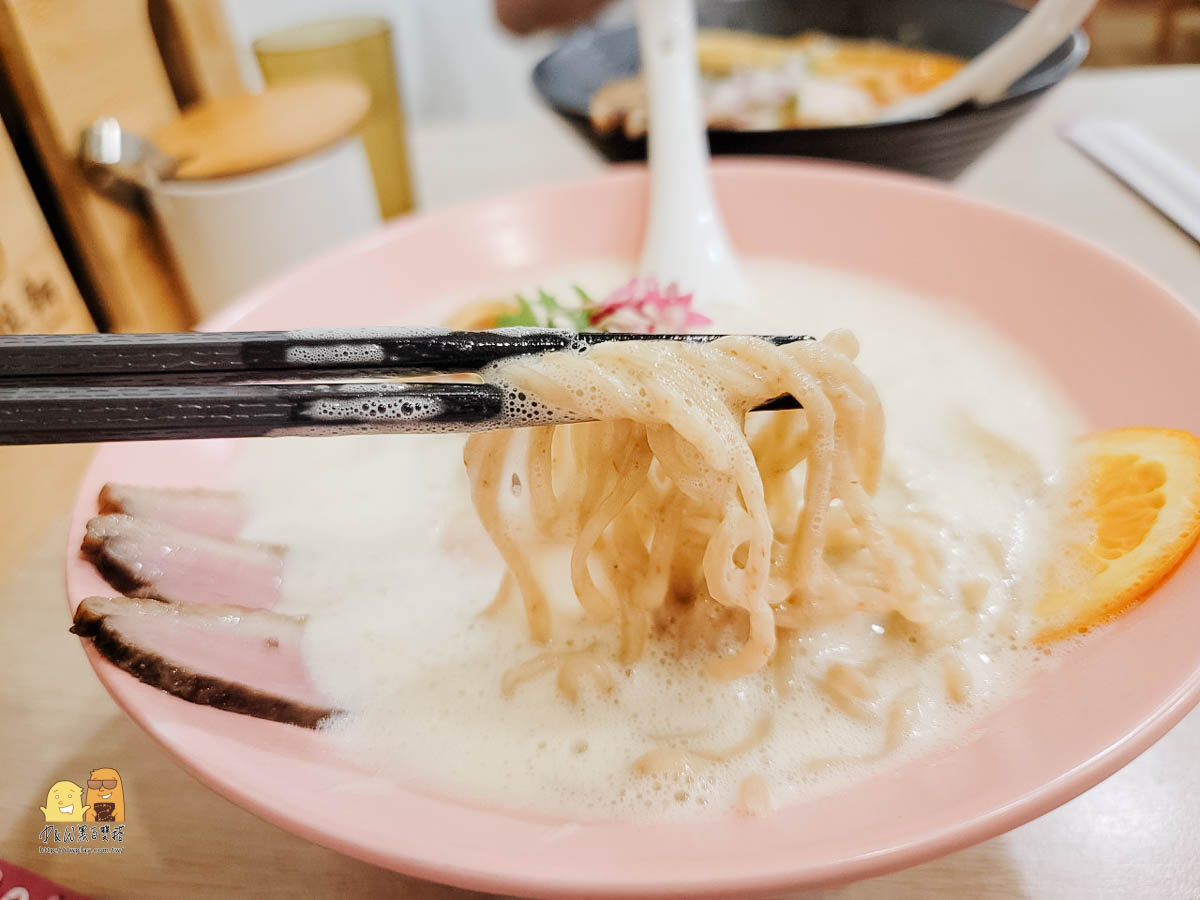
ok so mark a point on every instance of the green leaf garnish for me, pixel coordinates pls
(523, 317)
(549, 313)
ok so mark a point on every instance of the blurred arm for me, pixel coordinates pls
(526, 16)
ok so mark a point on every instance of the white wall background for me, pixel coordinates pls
(455, 62)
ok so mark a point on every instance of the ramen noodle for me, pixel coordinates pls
(680, 511)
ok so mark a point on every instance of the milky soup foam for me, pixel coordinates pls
(389, 561)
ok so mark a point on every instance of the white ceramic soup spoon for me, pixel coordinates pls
(993, 72)
(686, 241)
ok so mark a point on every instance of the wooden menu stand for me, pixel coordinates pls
(70, 62)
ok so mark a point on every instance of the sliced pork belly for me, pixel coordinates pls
(213, 513)
(231, 657)
(145, 558)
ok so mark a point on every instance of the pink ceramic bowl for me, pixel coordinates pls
(1074, 306)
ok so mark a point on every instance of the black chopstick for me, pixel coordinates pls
(58, 389)
(65, 415)
(68, 415)
(200, 357)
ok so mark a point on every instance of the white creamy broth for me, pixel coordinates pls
(392, 566)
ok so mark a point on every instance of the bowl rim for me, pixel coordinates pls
(1155, 720)
(1077, 43)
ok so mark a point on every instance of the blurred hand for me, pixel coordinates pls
(526, 16)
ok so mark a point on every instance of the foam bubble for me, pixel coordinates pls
(531, 331)
(417, 414)
(375, 408)
(324, 354)
(370, 332)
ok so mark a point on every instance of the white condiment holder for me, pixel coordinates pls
(228, 235)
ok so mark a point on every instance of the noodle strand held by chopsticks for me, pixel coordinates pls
(680, 510)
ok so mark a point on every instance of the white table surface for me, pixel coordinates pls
(1135, 835)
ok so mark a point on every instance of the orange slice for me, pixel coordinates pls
(1140, 499)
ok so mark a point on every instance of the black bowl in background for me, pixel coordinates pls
(941, 146)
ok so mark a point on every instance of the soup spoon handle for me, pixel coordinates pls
(685, 240)
(993, 72)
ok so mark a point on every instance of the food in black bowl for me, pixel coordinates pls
(591, 80)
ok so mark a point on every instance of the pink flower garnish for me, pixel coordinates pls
(640, 307)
